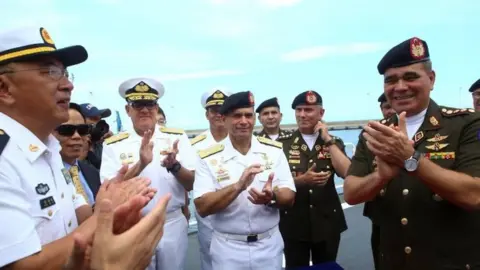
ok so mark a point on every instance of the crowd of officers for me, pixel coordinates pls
(258, 196)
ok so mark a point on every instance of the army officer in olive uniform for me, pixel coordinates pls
(314, 224)
(269, 116)
(423, 173)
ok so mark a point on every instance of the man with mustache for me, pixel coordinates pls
(422, 169)
(211, 101)
(242, 182)
(39, 206)
(475, 90)
(162, 154)
(72, 137)
(270, 117)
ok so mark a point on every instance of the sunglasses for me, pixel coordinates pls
(69, 130)
(140, 105)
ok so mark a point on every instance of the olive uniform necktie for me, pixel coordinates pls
(77, 183)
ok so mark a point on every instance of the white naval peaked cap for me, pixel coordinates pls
(29, 42)
(214, 97)
(137, 89)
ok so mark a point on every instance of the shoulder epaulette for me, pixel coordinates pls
(4, 138)
(217, 148)
(270, 142)
(285, 136)
(198, 139)
(446, 111)
(116, 138)
(176, 131)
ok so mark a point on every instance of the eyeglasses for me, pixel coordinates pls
(54, 72)
(138, 105)
(69, 130)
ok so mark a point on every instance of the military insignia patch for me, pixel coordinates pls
(417, 50)
(304, 147)
(418, 136)
(45, 36)
(440, 155)
(67, 176)
(296, 140)
(294, 147)
(437, 138)
(142, 87)
(318, 147)
(251, 99)
(311, 98)
(433, 121)
(294, 161)
(33, 148)
(123, 156)
(222, 175)
(42, 189)
(47, 202)
(436, 146)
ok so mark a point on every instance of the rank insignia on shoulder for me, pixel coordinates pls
(47, 202)
(270, 142)
(446, 111)
(42, 189)
(4, 138)
(176, 131)
(116, 138)
(217, 148)
(198, 139)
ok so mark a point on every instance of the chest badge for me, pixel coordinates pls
(437, 138)
(42, 189)
(436, 146)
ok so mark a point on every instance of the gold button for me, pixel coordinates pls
(437, 197)
(408, 250)
(311, 191)
(50, 213)
(70, 223)
(382, 192)
(405, 192)
(404, 221)
(293, 167)
(311, 160)
(63, 195)
(334, 210)
(311, 206)
(328, 167)
(285, 212)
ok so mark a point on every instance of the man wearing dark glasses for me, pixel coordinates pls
(211, 101)
(72, 137)
(162, 154)
(39, 205)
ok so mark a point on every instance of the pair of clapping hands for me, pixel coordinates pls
(122, 238)
(146, 151)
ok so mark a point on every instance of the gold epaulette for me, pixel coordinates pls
(116, 138)
(4, 138)
(270, 142)
(217, 148)
(176, 131)
(446, 111)
(197, 139)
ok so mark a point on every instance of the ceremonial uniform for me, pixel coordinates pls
(124, 148)
(37, 197)
(272, 102)
(202, 142)
(246, 235)
(418, 228)
(318, 207)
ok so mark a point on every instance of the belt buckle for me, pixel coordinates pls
(252, 238)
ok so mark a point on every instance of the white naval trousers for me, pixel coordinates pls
(264, 254)
(204, 236)
(171, 251)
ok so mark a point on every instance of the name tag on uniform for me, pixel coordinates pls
(67, 176)
(47, 202)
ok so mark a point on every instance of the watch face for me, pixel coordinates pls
(411, 164)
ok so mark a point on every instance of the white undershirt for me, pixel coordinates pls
(310, 139)
(273, 137)
(414, 123)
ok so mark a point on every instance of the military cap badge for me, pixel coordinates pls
(45, 36)
(311, 98)
(250, 98)
(416, 48)
(218, 95)
(142, 87)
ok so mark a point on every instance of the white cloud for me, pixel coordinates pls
(198, 75)
(331, 50)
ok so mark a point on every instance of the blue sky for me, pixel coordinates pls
(271, 47)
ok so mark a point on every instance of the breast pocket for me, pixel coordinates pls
(48, 222)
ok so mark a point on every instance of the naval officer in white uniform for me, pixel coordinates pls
(161, 154)
(39, 205)
(211, 101)
(242, 182)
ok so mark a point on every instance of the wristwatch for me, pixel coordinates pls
(174, 168)
(331, 142)
(273, 201)
(411, 164)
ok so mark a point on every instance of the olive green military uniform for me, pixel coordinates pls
(316, 220)
(282, 134)
(419, 229)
